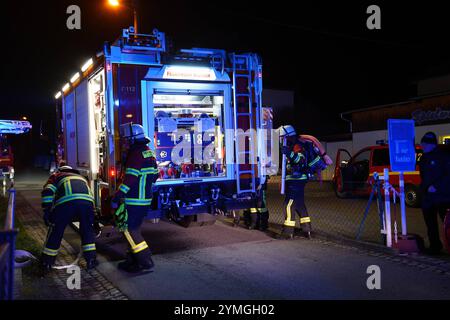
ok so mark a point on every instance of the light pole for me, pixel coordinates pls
(131, 4)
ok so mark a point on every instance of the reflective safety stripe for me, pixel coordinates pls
(298, 158)
(305, 220)
(149, 170)
(302, 177)
(142, 183)
(138, 202)
(64, 180)
(263, 210)
(51, 187)
(50, 252)
(129, 238)
(47, 200)
(124, 188)
(133, 172)
(89, 247)
(254, 210)
(140, 247)
(67, 188)
(292, 154)
(317, 159)
(288, 221)
(75, 196)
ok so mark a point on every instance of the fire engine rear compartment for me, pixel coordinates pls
(193, 114)
(188, 123)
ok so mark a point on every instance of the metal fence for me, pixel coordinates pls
(341, 217)
(7, 249)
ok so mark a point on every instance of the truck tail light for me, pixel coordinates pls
(112, 172)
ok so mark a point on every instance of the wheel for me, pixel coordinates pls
(412, 196)
(340, 194)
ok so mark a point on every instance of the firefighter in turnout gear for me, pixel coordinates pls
(304, 160)
(134, 197)
(66, 197)
(258, 218)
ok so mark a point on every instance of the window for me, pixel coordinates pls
(380, 157)
(362, 157)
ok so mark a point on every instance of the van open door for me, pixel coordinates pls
(341, 174)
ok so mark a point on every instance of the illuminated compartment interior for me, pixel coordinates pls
(188, 137)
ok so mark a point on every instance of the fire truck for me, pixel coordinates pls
(8, 127)
(207, 100)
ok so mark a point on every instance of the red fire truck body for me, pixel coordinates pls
(207, 100)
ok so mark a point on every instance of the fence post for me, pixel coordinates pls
(387, 211)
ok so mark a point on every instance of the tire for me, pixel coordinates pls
(339, 194)
(412, 196)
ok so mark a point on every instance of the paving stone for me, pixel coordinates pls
(95, 284)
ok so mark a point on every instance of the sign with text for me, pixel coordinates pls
(402, 152)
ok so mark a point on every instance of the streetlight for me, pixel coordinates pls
(131, 4)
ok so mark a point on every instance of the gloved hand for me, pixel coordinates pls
(121, 218)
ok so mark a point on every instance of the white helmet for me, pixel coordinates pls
(65, 167)
(136, 132)
(286, 131)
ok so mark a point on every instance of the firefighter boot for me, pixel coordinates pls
(147, 265)
(128, 263)
(44, 268)
(264, 221)
(286, 234)
(253, 221)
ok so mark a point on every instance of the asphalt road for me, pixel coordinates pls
(223, 262)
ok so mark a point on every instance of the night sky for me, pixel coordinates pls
(323, 52)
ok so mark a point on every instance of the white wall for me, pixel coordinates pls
(369, 138)
(441, 131)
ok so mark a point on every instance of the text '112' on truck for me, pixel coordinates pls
(203, 108)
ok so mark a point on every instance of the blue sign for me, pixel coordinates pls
(402, 152)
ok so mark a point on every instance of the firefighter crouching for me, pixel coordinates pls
(133, 198)
(305, 160)
(67, 197)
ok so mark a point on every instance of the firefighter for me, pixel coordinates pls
(258, 218)
(67, 197)
(435, 188)
(133, 199)
(304, 159)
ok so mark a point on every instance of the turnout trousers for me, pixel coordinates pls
(294, 204)
(430, 215)
(258, 218)
(138, 251)
(60, 217)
